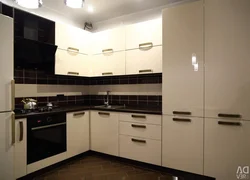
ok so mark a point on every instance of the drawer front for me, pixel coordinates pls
(140, 130)
(140, 149)
(140, 118)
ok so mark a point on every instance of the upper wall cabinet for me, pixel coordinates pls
(72, 38)
(227, 42)
(108, 41)
(144, 34)
(183, 60)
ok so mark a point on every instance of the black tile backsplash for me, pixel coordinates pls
(25, 76)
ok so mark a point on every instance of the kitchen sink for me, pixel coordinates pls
(109, 107)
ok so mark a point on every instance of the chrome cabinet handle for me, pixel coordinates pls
(107, 51)
(181, 120)
(229, 123)
(107, 73)
(71, 49)
(145, 71)
(182, 112)
(12, 95)
(146, 45)
(138, 140)
(13, 138)
(229, 115)
(138, 116)
(138, 126)
(103, 113)
(79, 114)
(48, 126)
(73, 73)
(21, 131)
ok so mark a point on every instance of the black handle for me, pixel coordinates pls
(181, 120)
(182, 112)
(78, 114)
(138, 126)
(229, 115)
(229, 123)
(21, 131)
(103, 113)
(138, 140)
(138, 116)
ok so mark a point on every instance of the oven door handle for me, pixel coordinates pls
(48, 126)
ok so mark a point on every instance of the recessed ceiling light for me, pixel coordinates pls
(90, 9)
(30, 4)
(74, 3)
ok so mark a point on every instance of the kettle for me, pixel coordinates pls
(29, 103)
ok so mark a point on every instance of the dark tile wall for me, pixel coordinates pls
(24, 76)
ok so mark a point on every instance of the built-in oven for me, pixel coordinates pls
(46, 136)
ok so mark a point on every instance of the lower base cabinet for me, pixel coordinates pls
(104, 132)
(77, 133)
(227, 149)
(182, 143)
(140, 149)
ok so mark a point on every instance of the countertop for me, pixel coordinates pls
(74, 108)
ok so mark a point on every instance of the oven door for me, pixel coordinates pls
(45, 141)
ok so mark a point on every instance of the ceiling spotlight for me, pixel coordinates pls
(74, 3)
(90, 9)
(30, 4)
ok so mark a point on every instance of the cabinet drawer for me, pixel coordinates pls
(139, 61)
(140, 118)
(140, 149)
(140, 130)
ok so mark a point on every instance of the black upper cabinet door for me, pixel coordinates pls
(6, 10)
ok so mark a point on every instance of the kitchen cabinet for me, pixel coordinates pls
(112, 40)
(107, 64)
(141, 61)
(183, 73)
(104, 132)
(226, 147)
(77, 133)
(182, 143)
(20, 148)
(72, 38)
(72, 63)
(227, 25)
(140, 137)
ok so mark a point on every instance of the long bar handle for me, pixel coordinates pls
(79, 114)
(146, 71)
(138, 126)
(107, 51)
(107, 73)
(13, 129)
(103, 113)
(181, 120)
(182, 112)
(73, 73)
(229, 115)
(229, 123)
(138, 116)
(145, 45)
(21, 131)
(12, 95)
(48, 126)
(138, 140)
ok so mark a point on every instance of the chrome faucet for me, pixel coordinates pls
(107, 102)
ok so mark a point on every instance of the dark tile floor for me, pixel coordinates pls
(95, 167)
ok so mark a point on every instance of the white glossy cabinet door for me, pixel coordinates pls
(226, 148)
(6, 63)
(21, 148)
(111, 40)
(77, 133)
(6, 147)
(104, 132)
(182, 38)
(182, 143)
(141, 61)
(227, 58)
(144, 32)
(108, 64)
(73, 64)
(72, 37)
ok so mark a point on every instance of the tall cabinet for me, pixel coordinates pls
(183, 83)
(227, 92)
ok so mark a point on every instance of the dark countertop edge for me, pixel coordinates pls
(84, 108)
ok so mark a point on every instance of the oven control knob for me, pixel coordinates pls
(49, 119)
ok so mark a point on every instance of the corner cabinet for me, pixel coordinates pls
(144, 47)
(104, 132)
(77, 133)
